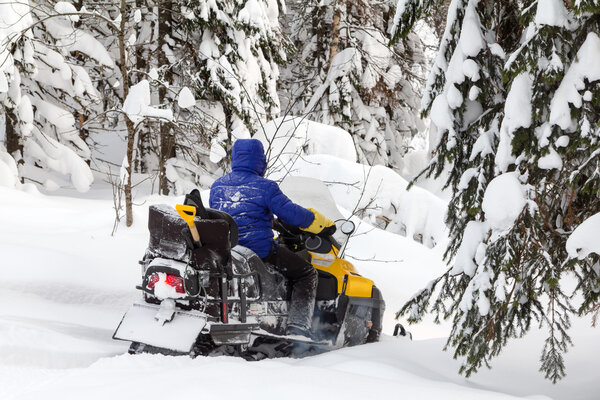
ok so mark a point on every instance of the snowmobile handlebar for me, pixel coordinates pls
(285, 228)
(297, 239)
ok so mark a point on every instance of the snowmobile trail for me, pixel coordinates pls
(61, 294)
(75, 331)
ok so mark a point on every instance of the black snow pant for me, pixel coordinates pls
(303, 277)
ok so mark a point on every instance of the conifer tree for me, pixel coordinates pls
(46, 88)
(228, 54)
(523, 172)
(344, 73)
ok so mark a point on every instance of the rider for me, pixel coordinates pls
(252, 200)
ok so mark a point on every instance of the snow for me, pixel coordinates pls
(464, 260)
(584, 239)
(186, 99)
(62, 119)
(471, 40)
(518, 103)
(217, 152)
(8, 170)
(551, 12)
(503, 201)
(552, 160)
(153, 74)
(461, 65)
(63, 7)
(58, 157)
(517, 114)
(137, 104)
(26, 114)
(586, 66)
(3, 83)
(77, 40)
(400, 8)
(345, 61)
(286, 137)
(441, 115)
(378, 55)
(562, 141)
(299, 147)
(67, 282)
(14, 18)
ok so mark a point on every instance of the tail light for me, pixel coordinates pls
(175, 282)
(171, 280)
(152, 280)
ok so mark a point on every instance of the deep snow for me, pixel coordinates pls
(66, 283)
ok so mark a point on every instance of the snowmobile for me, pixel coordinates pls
(203, 294)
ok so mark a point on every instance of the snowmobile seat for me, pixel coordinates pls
(215, 251)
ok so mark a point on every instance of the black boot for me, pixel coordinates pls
(304, 278)
(295, 330)
(302, 304)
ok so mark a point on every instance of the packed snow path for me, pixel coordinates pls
(66, 283)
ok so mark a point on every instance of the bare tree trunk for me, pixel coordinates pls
(335, 33)
(141, 66)
(128, 122)
(167, 139)
(13, 143)
(84, 133)
(438, 18)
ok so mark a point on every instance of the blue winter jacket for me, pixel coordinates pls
(252, 200)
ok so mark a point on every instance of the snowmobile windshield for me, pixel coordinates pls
(313, 193)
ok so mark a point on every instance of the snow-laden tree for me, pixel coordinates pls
(66, 72)
(216, 65)
(234, 50)
(44, 89)
(344, 73)
(519, 137)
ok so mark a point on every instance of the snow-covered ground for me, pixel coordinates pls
(65, 283)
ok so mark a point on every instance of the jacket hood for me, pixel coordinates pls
(248, 155)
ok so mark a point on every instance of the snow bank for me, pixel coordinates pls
(9, 175)
(287, 138)
(378, 194)
(300, 147)
(584, 239)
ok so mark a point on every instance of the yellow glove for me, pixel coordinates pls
(319, 223)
